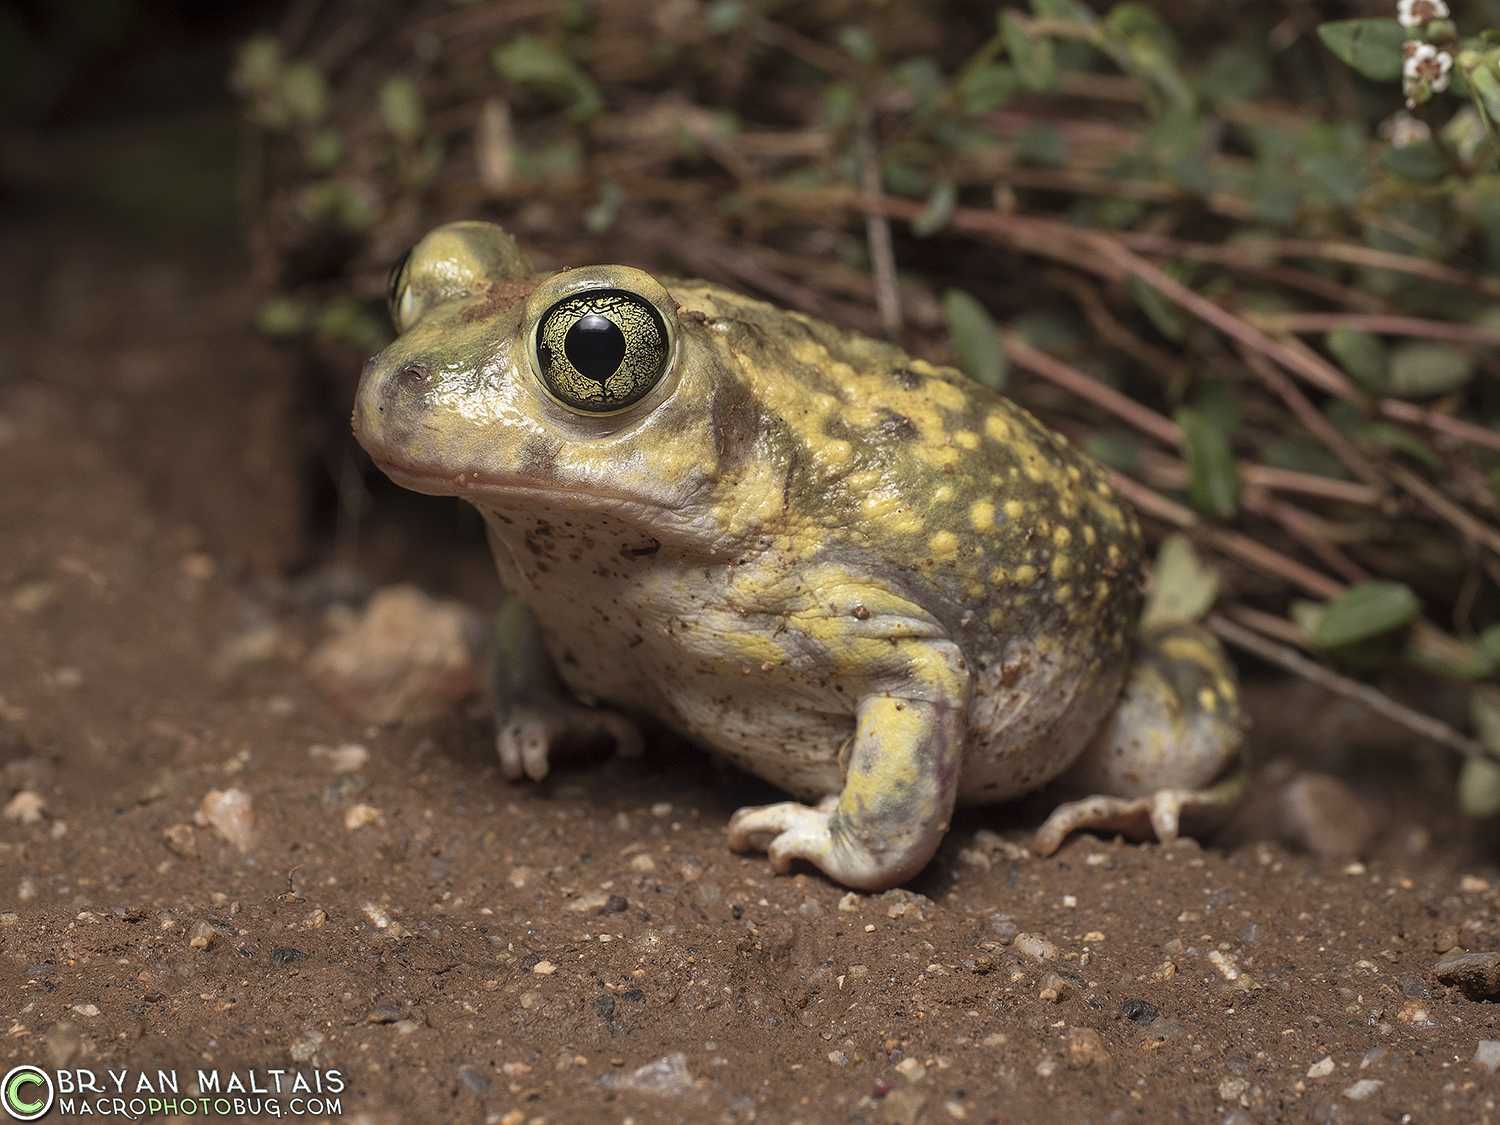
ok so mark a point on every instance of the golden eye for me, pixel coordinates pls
(602, 350)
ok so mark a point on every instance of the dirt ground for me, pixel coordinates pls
(588, 949)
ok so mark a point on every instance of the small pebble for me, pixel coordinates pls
(1139, 1011)
(26, 807)
(405, 658)
(1322, 815)
(1035, 946)
(181, 840)
(1363, 1089)
(202, 936)
(231, 815)
(1322, 1068)
(544, 968)
(86, 1009)
(1086, 1050)
(347, 758)
(358, 816)
(1487, 1054)
(1231, 1088)
(1053, 988)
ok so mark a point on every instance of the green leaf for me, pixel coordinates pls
(840, 103)
(1213, 478)
(1484, 716)
(401, 108)
(1034, 58)
(859, 45)
(1182, 587)
(934, 217)
(1372, 47)
(1170, 321)
(1042, 144)
(1303, 455)
(1422, 369)
(1236, 73)
(1479, 787)
(304, 92)
(602, 215)
(535, 65)
(1136, 21)
(1119, 449)
(1420, 161)
(1393, 438)
(1364, 611)
(988, 87)
(1075, 11)
(282, 318)
(1215, 401)
(1274, 196)
(973, 331)
(1480, 74)
(1363, 356)
(723, 16)
(924, 79)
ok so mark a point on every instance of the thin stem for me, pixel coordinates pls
(1293, 661)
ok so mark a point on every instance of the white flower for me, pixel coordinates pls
(1414, 13)
(1402, 129)
(1425, 71)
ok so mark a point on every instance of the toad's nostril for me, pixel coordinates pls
(414, 375)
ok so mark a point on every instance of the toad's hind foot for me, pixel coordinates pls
(1151, 768)
(1163, 814)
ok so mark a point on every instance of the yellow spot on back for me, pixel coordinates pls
(982, 515)
(1062, 537)
(943, 494)
(999, 576)
(967, 438)
(1025, 574)
(1064, 594)
(1208, 700)
(946, 395)
(1014, 509)
(996, 428)
(1090, 536)
(944, 543)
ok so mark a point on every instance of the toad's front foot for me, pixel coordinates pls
(820, 835)
(526, 737)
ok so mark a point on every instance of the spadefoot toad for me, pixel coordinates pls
(860, 576)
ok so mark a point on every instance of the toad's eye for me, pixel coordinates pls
(602, 350)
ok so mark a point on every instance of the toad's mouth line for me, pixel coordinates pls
(477, 490)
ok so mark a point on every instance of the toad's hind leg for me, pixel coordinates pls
(899, 787)
(1164, 761)
(534, 714)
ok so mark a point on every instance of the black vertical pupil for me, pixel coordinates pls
(595, 346)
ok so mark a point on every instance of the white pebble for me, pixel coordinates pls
(230, 814)
(1363, 1089)
(1322, 1068)
(1487, 1054)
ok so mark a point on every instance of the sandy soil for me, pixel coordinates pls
(588, 949)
